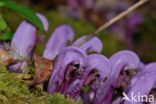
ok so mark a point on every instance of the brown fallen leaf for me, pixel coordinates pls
(5, 58)
(43, 70)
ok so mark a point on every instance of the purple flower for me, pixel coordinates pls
(68, 62)
(81, 3)
(24, 41)
(144, 83)
(131, 26)
(146, 69)
(122, 60)
(76, 7)
(93, 45)
(98, 70)
(58, 41)
(67, 58)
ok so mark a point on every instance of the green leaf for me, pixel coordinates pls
(6, 36)
(3, 24)
(25, 12)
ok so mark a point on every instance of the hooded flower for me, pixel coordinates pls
(76, 54)
(69, 60)
(98, 70)
(59, 50)
(123, 60)
(144, 83)
(58, 41)
(23, 42)
(93, 45)
(150, 68)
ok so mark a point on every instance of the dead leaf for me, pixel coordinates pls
(43, 70)
(5, 58)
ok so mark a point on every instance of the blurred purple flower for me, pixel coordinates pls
(131, 26)
(86, 4)
(76, 6)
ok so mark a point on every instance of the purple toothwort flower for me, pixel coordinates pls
(24, 41)
(69, 60)
(122, 60)
(93, 45)
(97, 71)
(58, 41)
(144, 83)
(150, 68)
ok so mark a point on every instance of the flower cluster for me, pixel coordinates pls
(80, 71)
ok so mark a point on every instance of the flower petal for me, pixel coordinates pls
(24, 41)
(58, 41)
(44, 21)
(142, 86)
(96, 62)
(150, 68)
(122, 60)
(101, 64)
(93, 45)
(66, 57)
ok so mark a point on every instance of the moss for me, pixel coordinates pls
(15, 91)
